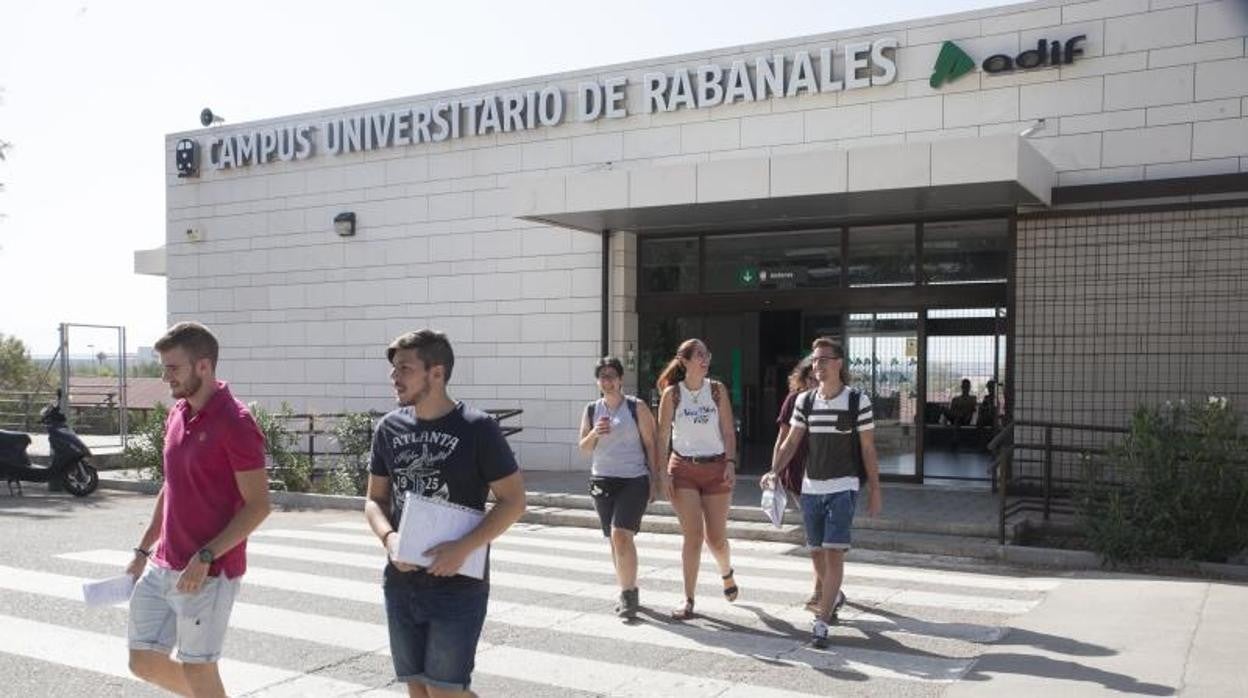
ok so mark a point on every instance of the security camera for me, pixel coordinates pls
(207, 118)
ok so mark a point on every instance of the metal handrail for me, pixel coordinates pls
(312, 432)
(1004, 446)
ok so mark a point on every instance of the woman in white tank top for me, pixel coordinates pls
(698, 442)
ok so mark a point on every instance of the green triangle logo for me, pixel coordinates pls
(951, 64)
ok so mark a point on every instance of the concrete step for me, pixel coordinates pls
(744, 514)
(871, 539)
(661, 523)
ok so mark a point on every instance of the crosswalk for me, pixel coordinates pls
(309, 621)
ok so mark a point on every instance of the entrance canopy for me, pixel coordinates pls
(812, 188)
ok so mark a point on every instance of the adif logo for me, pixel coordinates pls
(951, 64)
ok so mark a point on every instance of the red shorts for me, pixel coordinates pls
(707, 477)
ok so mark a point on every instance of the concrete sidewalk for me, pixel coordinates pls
(1102, 634)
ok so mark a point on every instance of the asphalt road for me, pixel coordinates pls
(310, 621)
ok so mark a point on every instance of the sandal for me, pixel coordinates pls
(684, 611)
(731, 591)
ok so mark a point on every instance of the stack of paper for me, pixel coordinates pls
(427, 522)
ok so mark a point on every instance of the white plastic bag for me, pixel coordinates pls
(773, 503)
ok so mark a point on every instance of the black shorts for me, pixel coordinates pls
(620, 501)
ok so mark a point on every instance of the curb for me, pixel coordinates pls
(736, 512)
(877, 539)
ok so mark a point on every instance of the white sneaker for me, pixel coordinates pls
(819, 634)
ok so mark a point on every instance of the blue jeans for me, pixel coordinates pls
(828, 519)
(434, 626)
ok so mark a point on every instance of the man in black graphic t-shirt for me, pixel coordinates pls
(440, 448)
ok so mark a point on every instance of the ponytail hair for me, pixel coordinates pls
(674, 372)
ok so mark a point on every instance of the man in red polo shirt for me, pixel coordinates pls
(215, 494)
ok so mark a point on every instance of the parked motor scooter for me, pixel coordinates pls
(70, 467)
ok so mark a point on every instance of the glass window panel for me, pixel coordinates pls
(773, 261)
(958, 313)
(965, 251)
(668, 265)
(881, 255)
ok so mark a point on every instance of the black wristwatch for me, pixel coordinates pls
(205, 556)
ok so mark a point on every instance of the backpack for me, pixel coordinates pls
(629, 400)
(855, 399)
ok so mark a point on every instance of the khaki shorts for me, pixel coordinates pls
(161, 617)
(705, 477)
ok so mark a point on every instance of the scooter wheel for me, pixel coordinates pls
(81, 479)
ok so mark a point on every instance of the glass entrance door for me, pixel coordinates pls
(883, 355)
(965, 390)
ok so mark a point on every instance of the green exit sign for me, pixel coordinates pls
(747, 276)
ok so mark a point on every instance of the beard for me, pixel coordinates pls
(413, 399)
(187, 388)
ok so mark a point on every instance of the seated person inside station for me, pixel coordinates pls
(962, 407)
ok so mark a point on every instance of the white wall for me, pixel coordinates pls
(304, 316)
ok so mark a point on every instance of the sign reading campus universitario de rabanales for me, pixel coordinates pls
(855, 66)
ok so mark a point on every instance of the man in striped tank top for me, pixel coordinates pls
(838, 425)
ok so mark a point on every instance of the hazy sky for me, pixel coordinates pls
(91, 88)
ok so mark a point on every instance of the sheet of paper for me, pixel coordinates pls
(427, 522)
(773, 503)
(106, 592)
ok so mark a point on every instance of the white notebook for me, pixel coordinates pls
(427, 522)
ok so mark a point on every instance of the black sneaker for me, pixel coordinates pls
(840, 601)
(629, 603)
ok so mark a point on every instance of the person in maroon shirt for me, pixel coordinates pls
(216, 492)
(801, 378)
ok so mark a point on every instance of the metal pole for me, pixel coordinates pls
(311, 439)
(124, 421)
(1048, 470)
(63, 401)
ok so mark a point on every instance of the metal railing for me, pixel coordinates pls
(308, 428)
(1038, 472)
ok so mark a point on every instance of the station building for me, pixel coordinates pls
(1051, 196)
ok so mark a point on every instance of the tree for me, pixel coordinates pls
(17, 370)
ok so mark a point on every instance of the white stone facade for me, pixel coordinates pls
(1160, 91)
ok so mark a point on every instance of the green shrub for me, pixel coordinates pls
(1176, 487)
(145, 447)
(349, 472)
(293, 470)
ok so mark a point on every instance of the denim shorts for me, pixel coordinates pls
(828, 519)
(162, 617)
(434, 626)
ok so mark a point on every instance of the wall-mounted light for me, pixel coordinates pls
(1032, 129)
(344, 224)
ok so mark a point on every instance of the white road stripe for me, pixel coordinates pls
(670, 539)
(107, 654)
(860, 593)
(539, 667)
(370, 592)
(800, 567)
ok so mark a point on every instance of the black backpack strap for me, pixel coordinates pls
(808, 406)
(631, 401)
